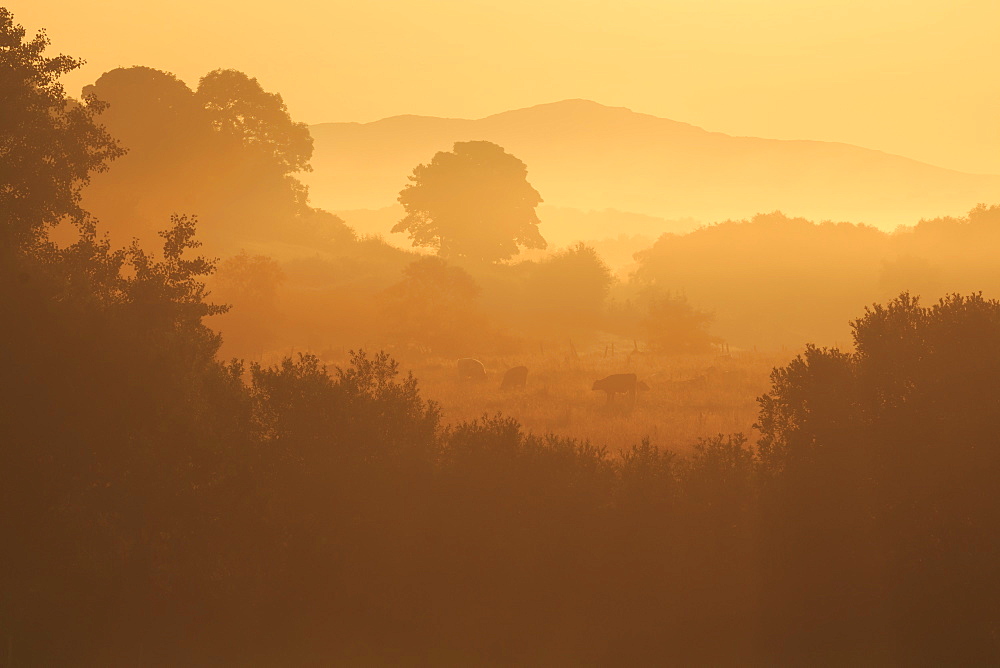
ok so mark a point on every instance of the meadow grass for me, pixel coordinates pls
(689, 396)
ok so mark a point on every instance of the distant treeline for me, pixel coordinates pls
(775, 280)
(161, 507)
(229, 152)
(769, 282)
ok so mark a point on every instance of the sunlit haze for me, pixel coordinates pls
(521, 333)
(912, 77)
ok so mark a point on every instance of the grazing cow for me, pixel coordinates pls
(515, 377)
(620, 383)
(470, 369)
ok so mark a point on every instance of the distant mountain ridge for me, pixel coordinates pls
(584, 155)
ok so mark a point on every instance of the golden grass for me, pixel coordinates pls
(689, 396)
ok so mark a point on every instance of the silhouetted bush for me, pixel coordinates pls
(880, 472)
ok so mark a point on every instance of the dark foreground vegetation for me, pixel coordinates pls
(160, 507)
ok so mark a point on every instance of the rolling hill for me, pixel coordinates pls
(587, 156)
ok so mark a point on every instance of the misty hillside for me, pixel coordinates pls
(585, 155)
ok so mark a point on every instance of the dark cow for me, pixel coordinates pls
(620, 383)
(470, 369)
(515, 377)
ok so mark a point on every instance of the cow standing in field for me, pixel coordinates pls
(471, 369)
(620, 383)
(515, 377)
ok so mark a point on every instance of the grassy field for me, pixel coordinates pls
(689, 396)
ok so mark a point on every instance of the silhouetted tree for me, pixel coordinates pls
(175, 158)
(240, 108)
(474, 202)
(567, 290)
(249, 284)
(881, 471)
(324, 229)
(111, 421)
(227, 152)
(434, 307)
(673, 325)
(767, 279)
(269, 140)
(49, 143)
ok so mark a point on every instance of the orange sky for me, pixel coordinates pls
(916, 77)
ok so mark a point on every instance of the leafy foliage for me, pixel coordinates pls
(49, 143)
(240, 108)
(473, 202)
(881, 474)
(228, 151)
(672, 325)
(434, 307)
(568, 289)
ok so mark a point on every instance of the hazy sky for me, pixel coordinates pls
(916, 77)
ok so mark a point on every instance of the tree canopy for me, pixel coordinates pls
(567, 289)
(49, 143)
(434, 306)
(881, 466)
(239, 107)
(227, 152)
(473, 202)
